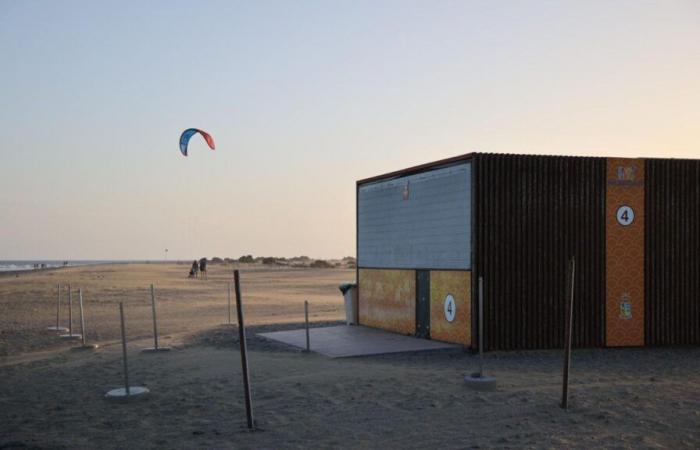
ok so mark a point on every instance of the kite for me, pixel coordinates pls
(188, 133)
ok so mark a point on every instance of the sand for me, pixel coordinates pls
(52, 397)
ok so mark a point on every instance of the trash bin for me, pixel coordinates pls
(349, 291)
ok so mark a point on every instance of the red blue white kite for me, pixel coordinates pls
(188, 133)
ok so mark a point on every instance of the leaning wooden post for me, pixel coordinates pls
(306, 319)
(244, 354)
(569, 325)
(126, 366)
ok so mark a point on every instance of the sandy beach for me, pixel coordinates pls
(52, 397)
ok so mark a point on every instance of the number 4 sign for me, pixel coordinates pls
(450, 308)
(625, 215)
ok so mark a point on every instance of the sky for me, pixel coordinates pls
(303, 98)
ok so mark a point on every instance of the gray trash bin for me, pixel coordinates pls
(349, 291)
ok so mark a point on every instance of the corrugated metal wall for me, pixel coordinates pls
(672, 252)
(531, 214)
(419, 221)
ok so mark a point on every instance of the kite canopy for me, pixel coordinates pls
(188, 133)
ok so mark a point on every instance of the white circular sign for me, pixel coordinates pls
(450, 308)
(625, 215)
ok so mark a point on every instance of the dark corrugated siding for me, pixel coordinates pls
(531, 213)
(672, 252)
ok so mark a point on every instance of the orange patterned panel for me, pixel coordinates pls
(624, 306)
(387, 299)
(458, 285)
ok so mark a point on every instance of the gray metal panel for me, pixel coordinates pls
(429, 229)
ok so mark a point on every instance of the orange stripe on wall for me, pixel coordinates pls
(624, 253)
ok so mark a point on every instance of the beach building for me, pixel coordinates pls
(427, 233)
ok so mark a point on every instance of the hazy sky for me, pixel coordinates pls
(303, 98)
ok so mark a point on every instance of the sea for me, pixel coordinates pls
(12, 266)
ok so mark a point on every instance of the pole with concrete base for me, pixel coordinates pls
(70, 334)
(70, 312)
(84, 345)
(127, 391)
(229, 303)
(58, 326)
(155, 347)
(481, 327)
(306, 319)
(568, 326)
(478, 380)
(244, 352)
(126, 364)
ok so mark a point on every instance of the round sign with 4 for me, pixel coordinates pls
(625, 215)
(450, 308)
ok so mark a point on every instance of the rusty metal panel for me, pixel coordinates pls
(387, 299)
(624, 253)
(672, 269)
(456, 285)
(531, 213)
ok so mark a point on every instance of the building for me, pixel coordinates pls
(426, 234)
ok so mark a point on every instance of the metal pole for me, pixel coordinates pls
(82, 317)
(126, 367)
(155, 327)
(229, 303)
(244, 354)
(306, 318)
(569, 324)
(58, 308)
(70, 312)
(481, 327)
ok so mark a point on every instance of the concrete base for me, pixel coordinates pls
(480, 383)
(86, 347)
(71, 336)
(120, 393)
(347, 341)
(57, 329)
(155, 350)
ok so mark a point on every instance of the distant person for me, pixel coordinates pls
(194, 269)
(203, 268)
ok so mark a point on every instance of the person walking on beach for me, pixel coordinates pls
(203, 268)
(194, 269)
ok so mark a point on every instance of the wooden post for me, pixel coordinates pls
(82, 318)
(70, 312)
(306, 319)
(126, 366)
(570, 275)
(58, 308)
(155, 326)
(481, 327)
(244, 353)
(229, 303)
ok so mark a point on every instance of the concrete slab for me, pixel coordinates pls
(345, 341)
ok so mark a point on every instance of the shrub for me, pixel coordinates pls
(321, 264)
(247, 259)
